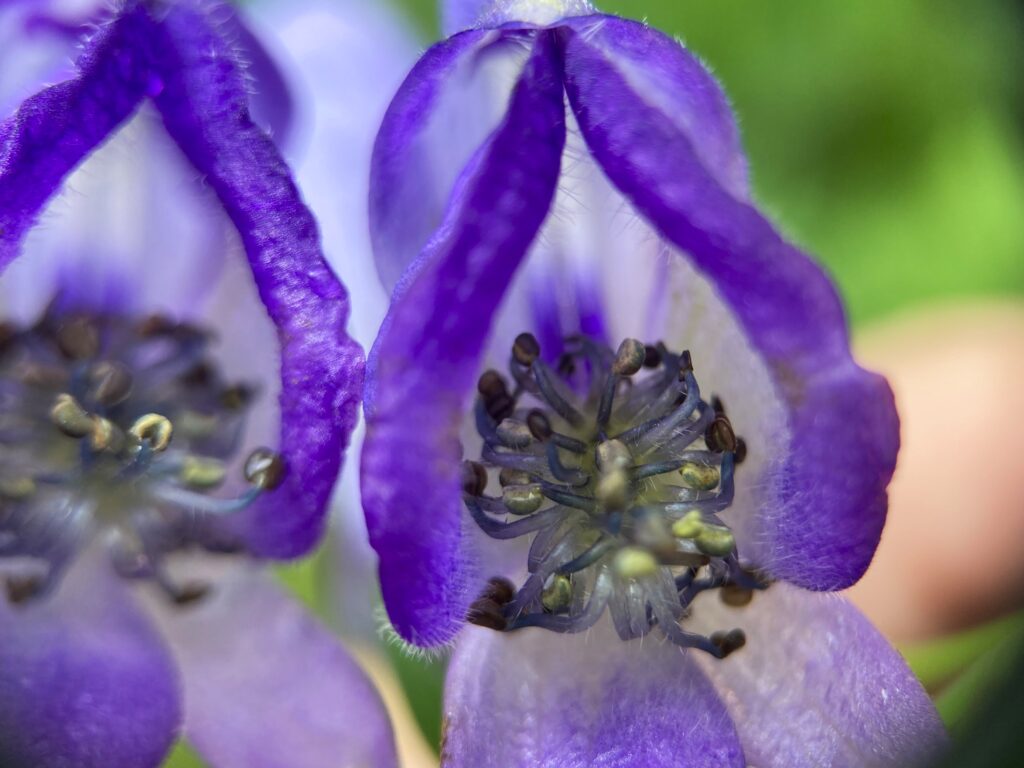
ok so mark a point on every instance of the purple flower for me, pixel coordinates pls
(152, 346)
(682, 439)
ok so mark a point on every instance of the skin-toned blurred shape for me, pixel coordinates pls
(952, 553)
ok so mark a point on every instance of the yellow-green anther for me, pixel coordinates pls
(15, 488)
(522, 499)
(613, 489)
(700, 477)
(154, 429)
(635, 563)
(715, 541)
(106, 436)
(201, 472)
(689, 526)
(70, 417)
(196, 424)
(613, 454)
(557, 594)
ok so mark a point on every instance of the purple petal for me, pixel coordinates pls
(541, 699)
(427, 357)
(457, 15)
(816, 684)
(444, 110)
(266, 685)
(203, 103)
(85, 682)
(824, 511)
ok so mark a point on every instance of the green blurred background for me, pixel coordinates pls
(887, 138)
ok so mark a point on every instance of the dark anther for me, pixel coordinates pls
(199, 375)
(652, 356)
(719, 435)
(78, 339)
(728, 642)
(474, 478)
(265, 469)
(491, 384)
(717, 405)
(735, 595)
(236, 397)
(488, 609)
(20, 589)
(740, 453)
(539, 424)
(112, 383)
(566, 364)
(190, 593)
(629, 357)
(526, 349)
(685, 364)
(500, 407)
(156, 325)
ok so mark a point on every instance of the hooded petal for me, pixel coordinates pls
(816, 684)
(201, 93)
(448, 105)
(457, 15)
(425, 360)
(557, 701)
(825, 506)
(85, 682)
(266, 685)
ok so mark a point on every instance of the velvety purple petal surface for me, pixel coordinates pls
(85, 682)
(823, 511)
(266, 685)
(817, 685)
(426, 358)
(536, 698)
(203, 102)
(438, 117)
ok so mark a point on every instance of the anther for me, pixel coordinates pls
(635, 563)
(190, 594)
(106, 436)
(265, 469)
(17, 488)
(70, 417)
(613, 489)
(728, 642)
(719, 436)
(156, 325)
(491, 384)
(522, 499)
(689, 526)
(652, 356)
(736, 596)
(700, 477)
(112, 383)
(740, 454)
(509, 476)
(685, 364)
(78, 339)
(474, 478)
(514, 434)
(488, 609)
(153, 429)
(557, 595)
(538, 424)
(201, 472)
(236, 397)
(716, 541)
(613, 454)
(525, 349)
(629, 358)
(21, 589)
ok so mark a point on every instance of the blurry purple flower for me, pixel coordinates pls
(128, 442)
(599, 242)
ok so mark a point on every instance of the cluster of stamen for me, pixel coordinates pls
(121, 428)
(620, 471)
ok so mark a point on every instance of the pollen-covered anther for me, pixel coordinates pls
(154, 430)
(700, 477)
(635, 563)
(729, 641)
(70, 417)
(522, 499)
(200, 472)
(629, 358)
(106, 436)
(557, 594)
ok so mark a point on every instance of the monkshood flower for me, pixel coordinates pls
(602, 356)
(136, 491)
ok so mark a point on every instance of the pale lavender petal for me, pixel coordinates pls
(457, 15)
(428, 353)
(266, 685)
(535, 698)
(816, 685)
(85, 682)
(824, 511)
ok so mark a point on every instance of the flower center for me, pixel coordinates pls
(117, 426)
(620, 470)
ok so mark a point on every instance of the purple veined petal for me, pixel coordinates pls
(823, 515)
(457, 15)
(267, 685)
(449, 103)
(665, 76)
(572, 701)
(816, 684)
(85, 681)
(203, 104)
(428, 353)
